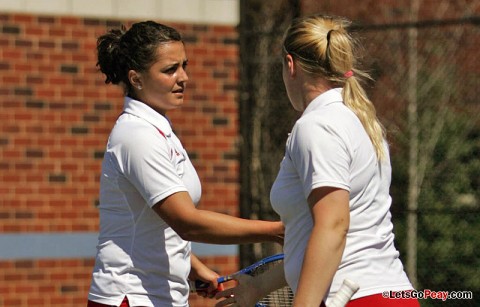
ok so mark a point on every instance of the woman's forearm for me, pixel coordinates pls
(217, 228)
(205, 226)
(322, 258)
(331, 219)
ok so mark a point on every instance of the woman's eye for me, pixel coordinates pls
(171, 70)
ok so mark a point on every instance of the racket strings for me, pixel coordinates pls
(282, 297)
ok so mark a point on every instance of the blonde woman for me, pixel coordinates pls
(332, 190)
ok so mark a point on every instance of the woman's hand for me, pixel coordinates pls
(245, 294)
(279, 236)
(252, 289)
(201, 272)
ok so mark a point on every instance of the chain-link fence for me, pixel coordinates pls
(426, 93)
(427, 96)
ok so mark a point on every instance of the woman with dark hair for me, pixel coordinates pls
(148, 187)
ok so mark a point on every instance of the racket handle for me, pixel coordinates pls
(344, 294)
(201, 286)
(197, 286)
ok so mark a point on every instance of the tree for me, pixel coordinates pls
(265, 113)
(437, 154)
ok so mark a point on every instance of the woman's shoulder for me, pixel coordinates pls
(334, 115)
(136, 134)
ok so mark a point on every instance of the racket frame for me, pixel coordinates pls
(341, 298)
(199, 285)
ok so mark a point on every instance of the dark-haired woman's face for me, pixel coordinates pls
(163, 85)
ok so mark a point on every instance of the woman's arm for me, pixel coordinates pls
(199, 271)
(251, 289)
(331, 217)
(193, 224)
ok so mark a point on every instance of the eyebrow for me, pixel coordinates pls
(173, 63)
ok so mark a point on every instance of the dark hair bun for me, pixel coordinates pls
(108, 48)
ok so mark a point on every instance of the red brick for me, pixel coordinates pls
(63, 89)
(34, 31)
(12, 55)
(69, 21)
(12, 301)
(37, 301)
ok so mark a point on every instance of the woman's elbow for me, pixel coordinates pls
(187, 233)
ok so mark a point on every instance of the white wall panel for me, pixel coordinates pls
(189, 11)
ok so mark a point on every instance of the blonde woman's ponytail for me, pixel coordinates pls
(356, 99)
(323, 47)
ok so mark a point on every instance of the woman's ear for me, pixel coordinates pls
(292, 70)
(135, 79)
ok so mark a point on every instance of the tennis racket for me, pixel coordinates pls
(341, 298)
(282, 297)
(279, 297)
(344, 294)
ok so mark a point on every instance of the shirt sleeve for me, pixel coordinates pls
(320, 155)
(148, 165)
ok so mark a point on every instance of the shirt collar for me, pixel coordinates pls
(141, 110)
(324, 99)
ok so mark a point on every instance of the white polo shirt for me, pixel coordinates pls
(139, 255)
(328, 147)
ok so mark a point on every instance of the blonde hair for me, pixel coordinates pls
(323, 47)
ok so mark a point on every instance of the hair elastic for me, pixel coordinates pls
(328, 37)
(348, 74)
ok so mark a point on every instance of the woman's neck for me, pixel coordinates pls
(314, 87)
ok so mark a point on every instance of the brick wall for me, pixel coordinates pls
(55, 116)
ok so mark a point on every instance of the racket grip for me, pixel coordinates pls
(198, 286)
(201, 286)
(344, 294)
